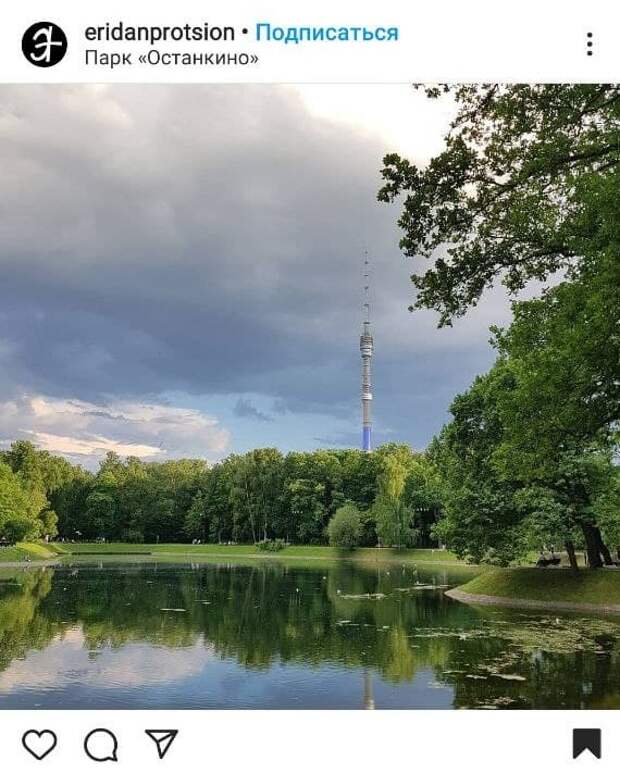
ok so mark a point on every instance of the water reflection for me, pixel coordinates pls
(284, 635)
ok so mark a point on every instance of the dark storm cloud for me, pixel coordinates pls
(246, 410)
(207, 240)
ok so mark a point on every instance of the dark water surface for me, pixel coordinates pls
(287, 635)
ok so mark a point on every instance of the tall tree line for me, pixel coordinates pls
(246, 498)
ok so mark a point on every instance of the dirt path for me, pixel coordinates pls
(503, 601)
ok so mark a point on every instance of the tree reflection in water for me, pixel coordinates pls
(389, 627)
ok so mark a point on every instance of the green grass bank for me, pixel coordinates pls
(33, 551)
(545, 588)
(232, 551)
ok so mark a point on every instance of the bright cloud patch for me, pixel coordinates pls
(97, 446)
(85, 430)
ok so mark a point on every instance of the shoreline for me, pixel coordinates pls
(189, 557)
(518, 603)
(35, 564)
(298, 556)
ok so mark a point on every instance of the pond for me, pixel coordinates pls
(270, 634)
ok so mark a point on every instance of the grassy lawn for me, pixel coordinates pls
(32, 550)
(601, 586)
(294, 551)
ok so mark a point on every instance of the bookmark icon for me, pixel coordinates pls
(163, 740)
(587, 739)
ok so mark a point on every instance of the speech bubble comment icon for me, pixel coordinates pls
(101, 745)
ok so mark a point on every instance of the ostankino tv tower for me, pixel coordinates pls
(366, 345)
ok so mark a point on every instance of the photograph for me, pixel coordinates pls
(309, 395)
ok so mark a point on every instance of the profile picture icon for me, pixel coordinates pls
(44, 44)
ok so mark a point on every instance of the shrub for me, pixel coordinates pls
(48, 523)
(17, 529)
(132, 535)
(345, 528)
(271, 545)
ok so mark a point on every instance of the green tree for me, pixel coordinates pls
(218, 510)
(43, 476)
(423, 494)
(70, 502)
(196, 524)
(393, 514)
(495, 505)
(306, 509)
(16, 521)
(358, 479)
(345, 528)
(101, 511)
(528, 184)
(560, 416)
(49, 523)
(257, 493)
(481, 520)
(313, 492)
(564, 351)
(19, 529)
(607, 509)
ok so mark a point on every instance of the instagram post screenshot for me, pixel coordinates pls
(309, 386)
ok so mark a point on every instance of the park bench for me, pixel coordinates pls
(544, 562)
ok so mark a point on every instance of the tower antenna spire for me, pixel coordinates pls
(366, 301)
(366, 350)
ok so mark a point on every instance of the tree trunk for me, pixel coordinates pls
(604, 550)
(572, 558)
(592, 546)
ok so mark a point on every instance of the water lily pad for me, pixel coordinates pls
(511, 677)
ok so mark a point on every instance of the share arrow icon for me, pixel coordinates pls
(163, 740)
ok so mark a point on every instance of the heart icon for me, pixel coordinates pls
(39, 742)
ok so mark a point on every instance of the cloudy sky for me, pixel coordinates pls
(180, 270)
